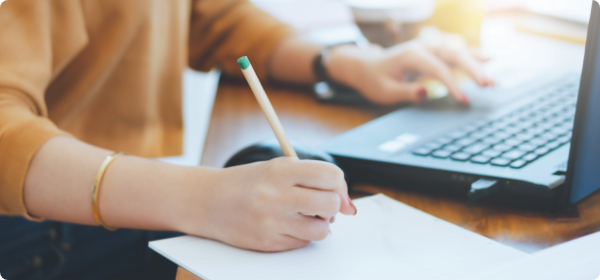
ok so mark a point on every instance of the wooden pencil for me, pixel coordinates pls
(265, 105)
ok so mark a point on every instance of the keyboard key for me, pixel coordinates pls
(513, 154)
(524, 136)
(500, 162)
(559, 130)
(552, 145)
(564, 139)
(480, 159)
(500, 135)
(502, 147)
(546, 125)
(530, 157)
(518, 164)
(541, 151)
(512, 130)
(423, 151)
(444, 140)
(499, 125)
(478, 135)
(527, 147)
(441, 154)
(513, 142)
(433, 145)
(491, 153)
(476, 148)
(548, 136)
(538, 141)
(491, 140)
(524, 124)
(536, 130)
(487, 129)
(460, 156)
(465, 141)
(452, 148)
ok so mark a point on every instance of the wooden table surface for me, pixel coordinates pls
(237, 122)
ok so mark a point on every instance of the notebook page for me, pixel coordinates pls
(578, 259)
(385, 240)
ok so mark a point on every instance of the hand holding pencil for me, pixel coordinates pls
(276, 205)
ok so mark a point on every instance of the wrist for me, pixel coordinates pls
(193, 203)
(344, 64)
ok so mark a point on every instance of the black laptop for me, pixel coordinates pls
(535, 144)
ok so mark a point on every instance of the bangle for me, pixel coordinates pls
(96, 189)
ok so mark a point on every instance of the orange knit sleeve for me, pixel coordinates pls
(221, 31)
(37, 39)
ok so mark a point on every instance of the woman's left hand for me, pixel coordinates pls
(380, 74)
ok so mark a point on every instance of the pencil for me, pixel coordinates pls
(267, 108)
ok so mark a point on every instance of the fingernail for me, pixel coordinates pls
(332, 220)
(466, 100)
(487, 81)
(422, 93)
(352, 204)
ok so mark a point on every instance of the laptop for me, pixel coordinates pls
(532, 142)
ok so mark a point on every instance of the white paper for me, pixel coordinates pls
(385, 240)
(578, 259)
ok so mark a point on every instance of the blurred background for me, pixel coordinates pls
(457, 16)
(528, 35)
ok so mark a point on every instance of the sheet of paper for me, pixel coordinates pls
(578, 259)
(385, 240)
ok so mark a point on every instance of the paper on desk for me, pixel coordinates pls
(385, 240)
(578, 259)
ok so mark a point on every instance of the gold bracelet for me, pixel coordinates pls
(96, 189)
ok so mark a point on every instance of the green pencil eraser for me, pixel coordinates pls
(243, 62)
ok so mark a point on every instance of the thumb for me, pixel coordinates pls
(406, 92)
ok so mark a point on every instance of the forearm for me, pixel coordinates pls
(135, 192)
(292, 60)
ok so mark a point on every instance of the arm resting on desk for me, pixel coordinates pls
(263, 206)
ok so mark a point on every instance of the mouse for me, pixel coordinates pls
(270, 149)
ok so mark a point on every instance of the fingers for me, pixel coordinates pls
(306, 228)
(282, 242)
(319, 175)
(394, 91)
(475, 52)
(312, 202)
(412, 92)
(429, 64)
(466, 61)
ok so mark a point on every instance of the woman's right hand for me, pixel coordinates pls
(276, 205)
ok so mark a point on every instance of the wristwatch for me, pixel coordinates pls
(328, 90)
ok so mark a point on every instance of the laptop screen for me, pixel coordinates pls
(583, 172)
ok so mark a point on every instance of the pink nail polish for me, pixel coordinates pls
(352, 204)
(466, 100)
(332, 220)
(422, 93)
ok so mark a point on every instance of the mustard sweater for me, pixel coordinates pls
(109, 72)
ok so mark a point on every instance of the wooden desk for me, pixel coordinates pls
(237, 121)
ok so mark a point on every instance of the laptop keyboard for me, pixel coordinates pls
(513, 140)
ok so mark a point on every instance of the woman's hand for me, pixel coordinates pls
(276, 205)
(380, 74)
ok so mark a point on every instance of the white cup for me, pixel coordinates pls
(389, 22)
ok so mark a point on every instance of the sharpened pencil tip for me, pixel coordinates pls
(243, 62)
